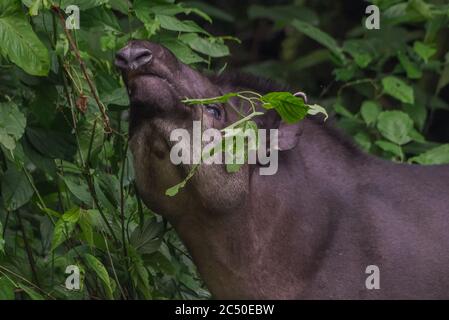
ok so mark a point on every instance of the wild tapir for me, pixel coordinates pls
(332, 223)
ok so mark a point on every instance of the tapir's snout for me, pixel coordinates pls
(132, 57)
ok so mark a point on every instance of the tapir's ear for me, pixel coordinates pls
(288, 136)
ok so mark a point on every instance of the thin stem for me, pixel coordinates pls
(112, 266)
(25, 280)
(247, 118)
(72, 43)
(28, 250)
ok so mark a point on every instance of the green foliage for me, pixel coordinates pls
(67, 184)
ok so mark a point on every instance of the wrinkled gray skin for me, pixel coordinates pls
(308, 231)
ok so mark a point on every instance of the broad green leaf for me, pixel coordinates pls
(101, 272)
(19, 43)
(64, 227)
(438, 155)
(412, 70)
(321, 37)
(139, 273)
(174, 9)
(398, 89)
(390, 147)
(213, 47)
(144, 239)
(118, 97)
(86, 227)
(182, 51)
(363, 140)
(174, 24)
(358, 49)
(35, 7)
(425, 51)
(396, 126)
(291, 109)
(6, 289)
(79, 189)
(16, 189)
(369, 111)
(418, 112)
(51, 144)
(12, 125)
(416, 136)
(421, 7)
(82, 4)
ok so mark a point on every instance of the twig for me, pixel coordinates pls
(75, 50)
(28, 251)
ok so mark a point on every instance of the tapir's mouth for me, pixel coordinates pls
(152, 94)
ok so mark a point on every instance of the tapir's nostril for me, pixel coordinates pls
(132, 58)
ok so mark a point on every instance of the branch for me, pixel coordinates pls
(75, 50)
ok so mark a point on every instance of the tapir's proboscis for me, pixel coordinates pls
(310, 231)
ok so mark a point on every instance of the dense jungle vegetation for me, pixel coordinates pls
(67, 194)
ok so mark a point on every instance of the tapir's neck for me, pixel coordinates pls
(273, 246)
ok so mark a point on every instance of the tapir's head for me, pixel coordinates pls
(157, 82)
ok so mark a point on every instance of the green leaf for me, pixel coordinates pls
(64, 227)
(396, 126)
(438, 155)
(444, 78)
(182, 51)
(6, 289)
(35, 7)
(369, 111)
(212, 47)
(18, 41)
(174, 24)
(86, 227)
(101, 272)
(144, 239)
(16, 189)
(82, 4)
(390, 147)
(321, 37)
(172, 191)
(31, 292)
(412, 70)
(425, 51)
(363, 140)
(359, 51)
(315, 109)
(139, 273)
(340, 109)
(12, 124)
(291, 109)
(398, 89)
(78, 188)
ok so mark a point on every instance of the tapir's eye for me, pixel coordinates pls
(214, 110)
